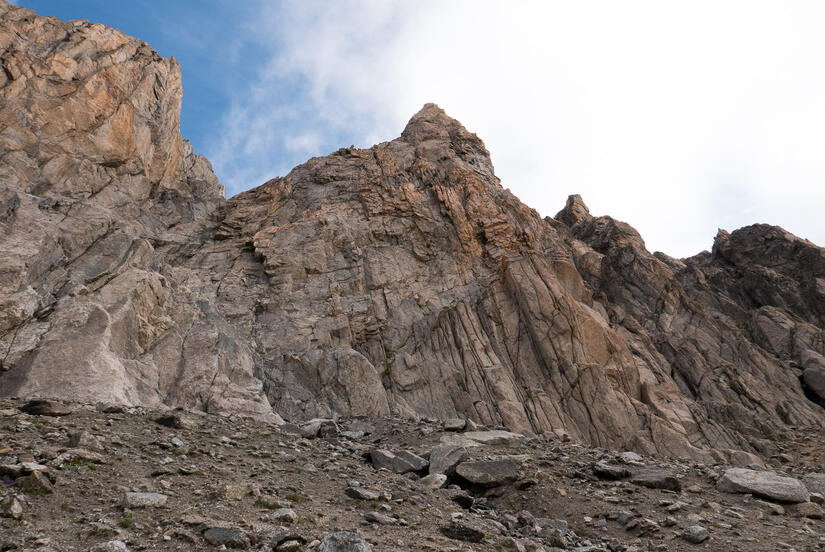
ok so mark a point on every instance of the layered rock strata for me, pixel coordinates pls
(402, 279)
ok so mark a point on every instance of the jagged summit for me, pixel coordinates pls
(574, 211)
(396, 280)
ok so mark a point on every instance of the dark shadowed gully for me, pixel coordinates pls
(393, 286)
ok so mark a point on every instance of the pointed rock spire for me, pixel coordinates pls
(574, 211)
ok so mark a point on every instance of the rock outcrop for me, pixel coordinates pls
(401, 279)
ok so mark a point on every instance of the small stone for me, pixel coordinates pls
(85, 440)
(319, 428)
(11, 507)
(344, 541)
(35, 483)
(631, 458)
(808, 510)
(656, 479)
(231, 537)
(285, 515)
(289, 546)
(144, 500)
(603, 470)
(462, 531)
(360, 493)
(695, 534)
(433, 481)
(382, 519)
(111, 546)
(176, 442)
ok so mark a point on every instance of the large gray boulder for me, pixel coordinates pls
(489, 473)
(763, 484)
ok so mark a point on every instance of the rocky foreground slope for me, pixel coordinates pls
(108, 479)
(399, 280)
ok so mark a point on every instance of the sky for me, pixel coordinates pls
(677, 117)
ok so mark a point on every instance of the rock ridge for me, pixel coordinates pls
(400, 279)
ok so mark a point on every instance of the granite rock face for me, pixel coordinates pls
(95, 181)
(402, 279)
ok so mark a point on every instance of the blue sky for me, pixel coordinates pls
(677, 117)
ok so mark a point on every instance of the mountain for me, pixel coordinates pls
(399, 280)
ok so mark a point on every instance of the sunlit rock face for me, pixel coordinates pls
(402, 279)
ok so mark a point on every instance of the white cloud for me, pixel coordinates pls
(676, 117)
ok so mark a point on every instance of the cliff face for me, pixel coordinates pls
(400, 279)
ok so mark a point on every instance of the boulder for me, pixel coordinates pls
(44, 407)
(398, 461)
(763, 484)
(489, 473)
(656, 479)
(444, 458)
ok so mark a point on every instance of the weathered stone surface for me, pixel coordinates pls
(144, 500)
(462, 531)
(44, 407)
(478, 438)
(444, 459)
(763, 484)
(400, 461)
(344, 541)
(604, 470)
(433, 481)
(695, 534)
(401, 279)
(230, 537)
(814, 482)
(489, 473)
(656, 479)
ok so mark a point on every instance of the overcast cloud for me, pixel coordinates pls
(677, 117)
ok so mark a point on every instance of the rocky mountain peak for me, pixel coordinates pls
(440, 138)
(399, 280)
(574, 211)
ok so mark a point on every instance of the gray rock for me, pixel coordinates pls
(381, 519)
(144, 500)
(11, 507)
(814, 482)
(85, 440)
(433, 481)
(360, 493)
(489, 473)
(231, 537)
(455, 424)
(35, 482)
(44, 407)
(656, 479)
(344, 542)
(479, 438)
(398, 462)
(285, 515)
(763, 484)
(111, 546)
(603, 470)
(462, 531)
(444, 459)
(319, 427)
(695, 534)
